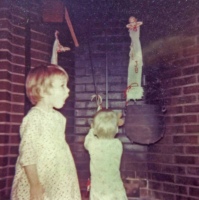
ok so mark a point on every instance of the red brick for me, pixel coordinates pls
(183, 81)
(177, 189)
(18, 108)
(17, 40)
(16, 118)
(6, 23)
(19, 31)
(5, 85)
(15, 127)
(134, 166)
(172, 73)
(18, 69)
(6, 55)
(4, 139)
(5, 65)
(185, 139)
(13, 159)
(191, 70)
(192, 128)
(168, 196)
(9, 182)
(175, 110)
(4, 117)
(177, 129)
(163, 177)
(184, 100)
(185, 119)
(11, 171)
(3, 161)
(18, 59)
(193, 191)
(191, 108)
(191, 89)
(154, 167)
(144, 192)
(18, 98)
(5, 75)
(5, 106)
(190, 160)
(184, 62)
(3, 171)
(41, 46)
(18, 78)
(173, 169)
(192, 149)
(12, 49)
(39, 37)
(14, 149)
(193, 171)
(40, 55)
(2, 183)
(170, 57)
(15, 139)
(158, 158)
(173, 92)
(4, 128)
(19, 89)
(4, 150)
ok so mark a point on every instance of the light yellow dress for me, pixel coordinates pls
(43, 144)
(105, 158)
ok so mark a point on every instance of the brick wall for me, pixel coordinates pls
(20, 48)
(105, 46)
(173, 162)
(170, 166)
(12, 91)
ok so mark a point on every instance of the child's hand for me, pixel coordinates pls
(37, 192)
(120, 119)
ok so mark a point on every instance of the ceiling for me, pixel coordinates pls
(166, 16)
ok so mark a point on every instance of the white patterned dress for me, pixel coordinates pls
(43, 144)
(105, 158)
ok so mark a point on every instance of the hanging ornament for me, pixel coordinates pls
(98, 101)
(57, 48)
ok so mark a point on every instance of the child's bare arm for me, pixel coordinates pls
(36, 189)
(89, 137)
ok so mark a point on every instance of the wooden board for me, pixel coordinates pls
(53, 11)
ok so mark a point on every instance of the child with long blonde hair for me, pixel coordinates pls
(45, 168)
(105, 156)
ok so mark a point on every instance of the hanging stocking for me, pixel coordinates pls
(134, 90)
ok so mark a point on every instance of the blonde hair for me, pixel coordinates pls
(40, 79)
(105, 124)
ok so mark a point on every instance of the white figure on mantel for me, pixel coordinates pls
(57, 47)
(134, 90)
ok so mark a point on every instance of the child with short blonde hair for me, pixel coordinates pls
(45, 168)
(105, 157)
